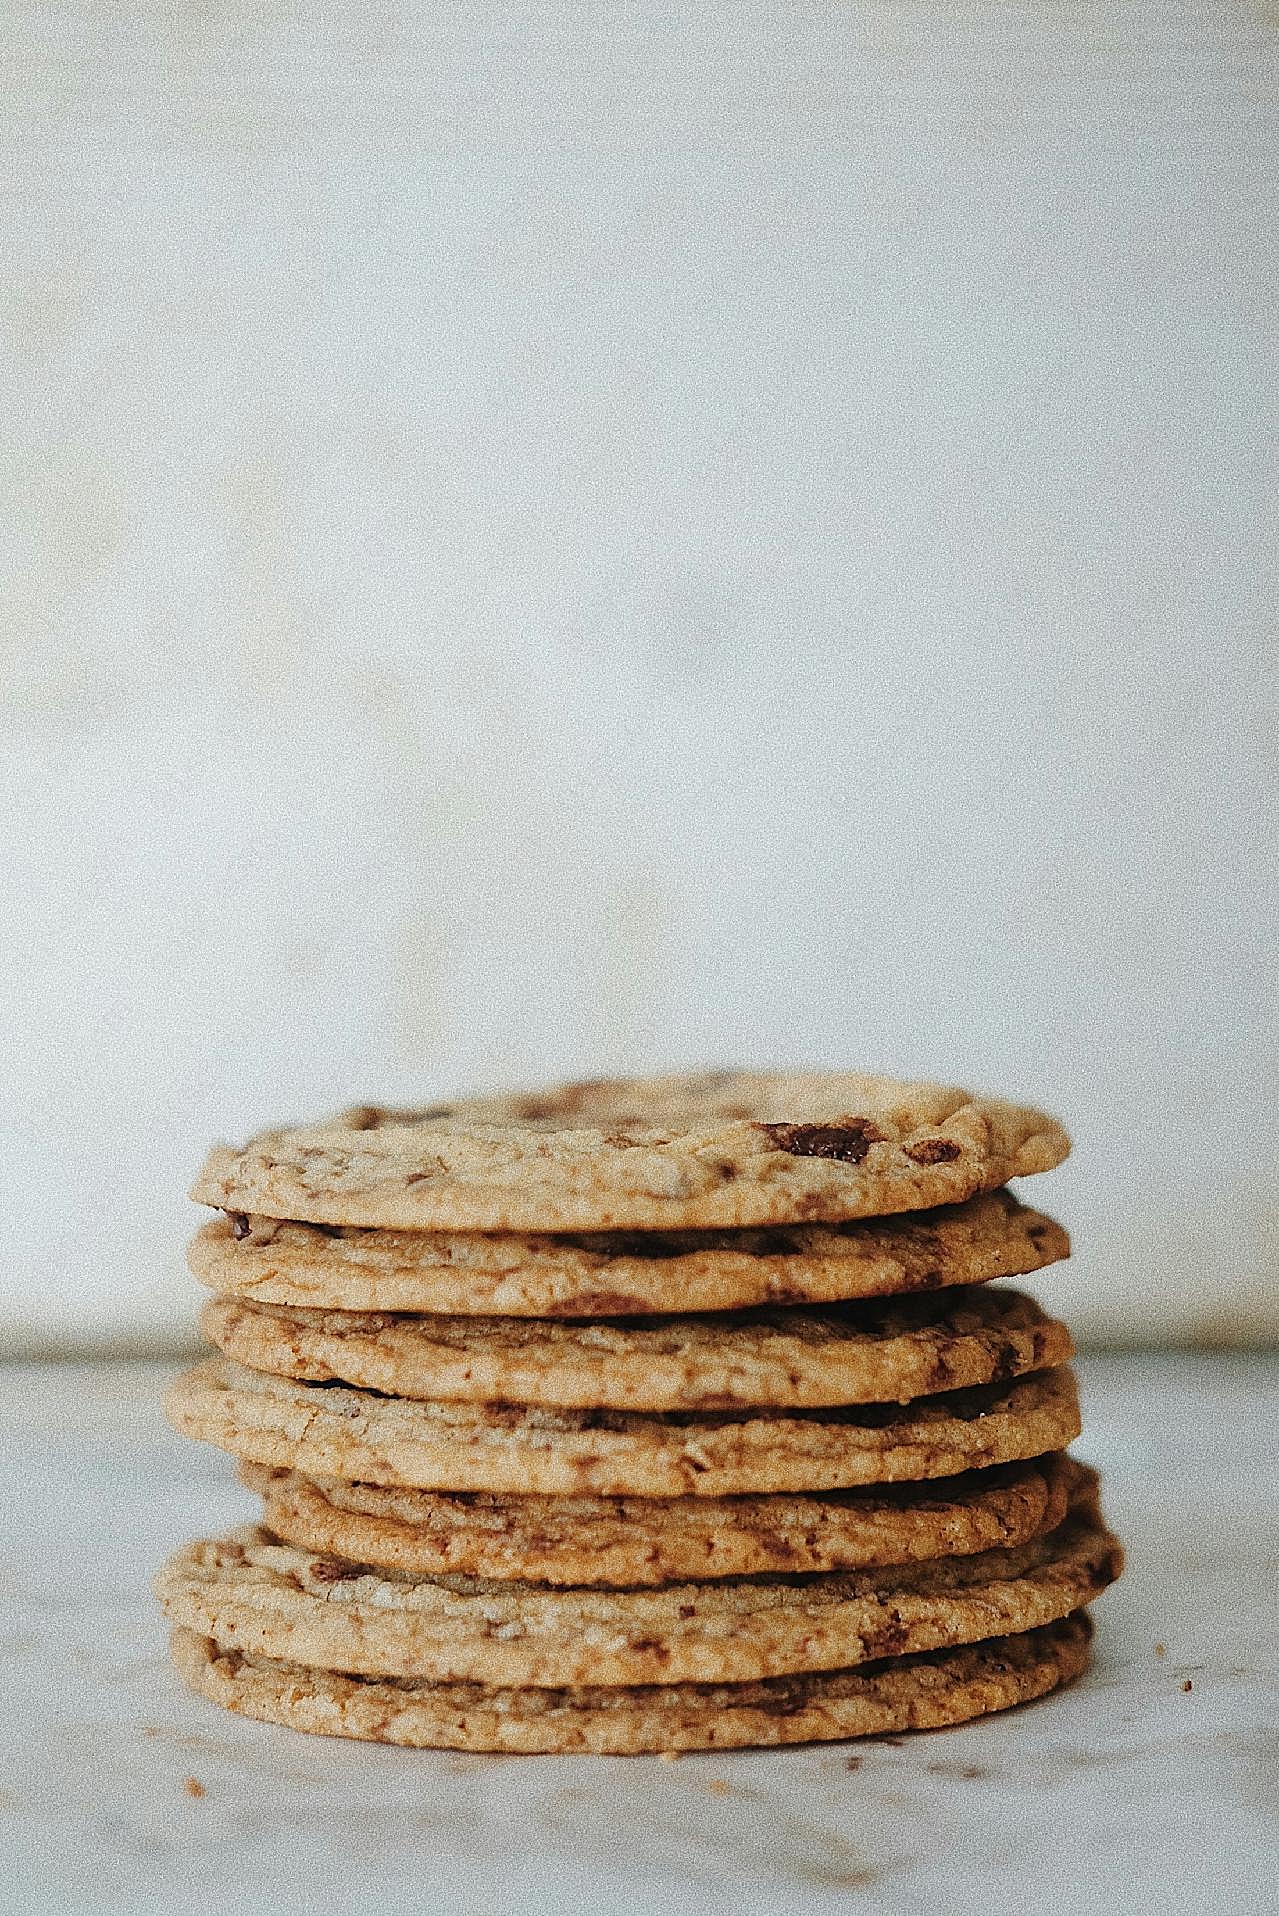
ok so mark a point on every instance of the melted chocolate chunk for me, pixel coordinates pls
(849, 1140)
(371, 1117)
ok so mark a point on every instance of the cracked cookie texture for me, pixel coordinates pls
(619, 1274)
(251, 1592)
(926, 1692)
(877, 1352)
(723, 1149)
(638, 1541)
(333, 1431)
(634, 1415)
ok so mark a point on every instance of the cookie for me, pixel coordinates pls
(250, 1592)
(726, 1149)
(329, 1431)
(336, 1267)
(923, 1692)
(907, 1693)
(637, 1541)
(877, 1352)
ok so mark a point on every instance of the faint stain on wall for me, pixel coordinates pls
(1241, 1243)
(254, 498)
(634, 922)
(41, 314)
(417, 980)
(69, 524)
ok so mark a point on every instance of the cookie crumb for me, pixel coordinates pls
(718, 1787)
(193, 1786)
(1161, 1649)
(1187, 1686)
(853, 1763)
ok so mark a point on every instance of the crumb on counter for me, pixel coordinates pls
(193, 1786)
(1187, 1686)
(1161, 1649)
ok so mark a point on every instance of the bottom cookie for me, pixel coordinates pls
(905, 1693)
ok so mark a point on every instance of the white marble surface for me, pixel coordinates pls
(1126, 1793)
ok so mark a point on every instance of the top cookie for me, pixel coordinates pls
(724, 1149)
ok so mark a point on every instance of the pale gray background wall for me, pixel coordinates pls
(549, 538)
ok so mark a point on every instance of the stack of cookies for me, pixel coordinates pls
(629, 1416)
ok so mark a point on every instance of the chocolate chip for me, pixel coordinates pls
(1005, 1365)
(933, 1151)
(596, 1304)
(849, 1140)
(239, 1223)
(890, 1639)
(324, 1570)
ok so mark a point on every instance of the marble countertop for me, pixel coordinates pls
(1152, 1785)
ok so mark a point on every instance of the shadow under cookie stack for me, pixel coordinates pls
(639, 1416)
